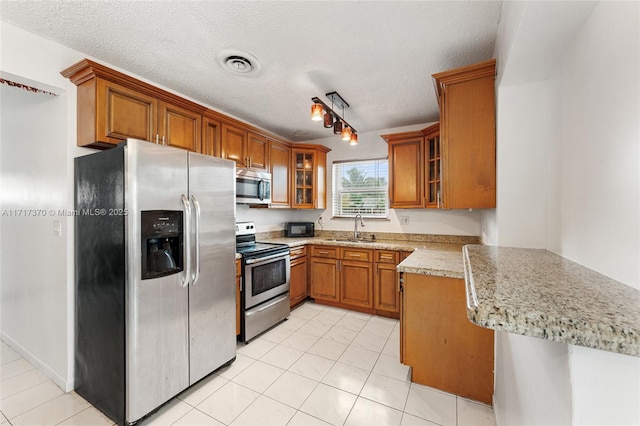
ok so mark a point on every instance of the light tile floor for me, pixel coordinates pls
(322, 366)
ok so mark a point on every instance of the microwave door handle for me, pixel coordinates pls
(196, 275)
(261, 190)
(186, 232)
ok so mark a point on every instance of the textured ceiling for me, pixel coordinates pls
(378, 55)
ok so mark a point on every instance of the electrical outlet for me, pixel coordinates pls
(404, 219)
(57, 228)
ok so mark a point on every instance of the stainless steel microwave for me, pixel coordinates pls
(298, 229)
(253, 187)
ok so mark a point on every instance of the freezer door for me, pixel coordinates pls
(157, 310)
(212, 305)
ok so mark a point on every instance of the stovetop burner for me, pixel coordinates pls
(247, 245)
(259, 247)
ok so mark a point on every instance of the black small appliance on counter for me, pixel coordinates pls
(298, 229)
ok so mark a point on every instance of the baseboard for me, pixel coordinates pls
(62, 383)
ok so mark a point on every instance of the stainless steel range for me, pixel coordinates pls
(266, 270)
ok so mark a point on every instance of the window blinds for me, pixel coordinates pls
(361, 187)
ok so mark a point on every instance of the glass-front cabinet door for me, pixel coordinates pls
(304, 164)
(433, 166)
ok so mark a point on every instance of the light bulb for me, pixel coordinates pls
(316, 112)
(346, 133)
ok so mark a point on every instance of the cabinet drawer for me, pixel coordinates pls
(386, 256)
(323, 251)
(297, 252)
(356, 254)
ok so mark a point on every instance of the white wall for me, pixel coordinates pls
(578, 93)
(523, 134)
(597, 206)
(37, 147)
(33, 280)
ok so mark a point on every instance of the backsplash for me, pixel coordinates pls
(385, 236)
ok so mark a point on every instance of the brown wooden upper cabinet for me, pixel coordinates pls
(247, 149)
(179, 127)
(280, 167)
(466, 97)
(309, 166)
(211, 136)
(414, 168)
(113, 107)
(451, 164)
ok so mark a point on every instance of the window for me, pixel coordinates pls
(361, 187)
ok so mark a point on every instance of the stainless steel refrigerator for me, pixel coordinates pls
(155, 274)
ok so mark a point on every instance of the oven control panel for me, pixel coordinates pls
(245, 228)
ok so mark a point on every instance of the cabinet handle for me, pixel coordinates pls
(340, 265)
(400, 279)
(384, 256)
(323, 252)
(354, 254)
(157, 136)
(164, 143)
(438, 199)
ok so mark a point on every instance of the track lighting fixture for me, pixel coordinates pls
(321, 111)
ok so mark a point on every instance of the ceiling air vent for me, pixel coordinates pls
(238, 62)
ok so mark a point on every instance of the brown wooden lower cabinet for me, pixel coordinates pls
(360, 279)
(298, 278)
(444, 349)
(355, 283)
(323, 275)
(386, 282)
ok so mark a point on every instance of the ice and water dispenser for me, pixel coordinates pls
(161, 243)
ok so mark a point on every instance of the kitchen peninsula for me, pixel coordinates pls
(540, 294)
(444, 349)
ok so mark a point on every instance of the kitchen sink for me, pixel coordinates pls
(350, 240)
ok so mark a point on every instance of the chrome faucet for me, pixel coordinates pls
(355, 229)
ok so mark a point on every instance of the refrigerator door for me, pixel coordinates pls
(157, 310)
(212, 305)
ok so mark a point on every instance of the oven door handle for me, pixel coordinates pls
(265, 258)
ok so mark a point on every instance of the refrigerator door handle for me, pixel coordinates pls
(196, 275)
(187, 240)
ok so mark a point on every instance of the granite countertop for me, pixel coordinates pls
(443, 260)
(428, 258)
(540, 294)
